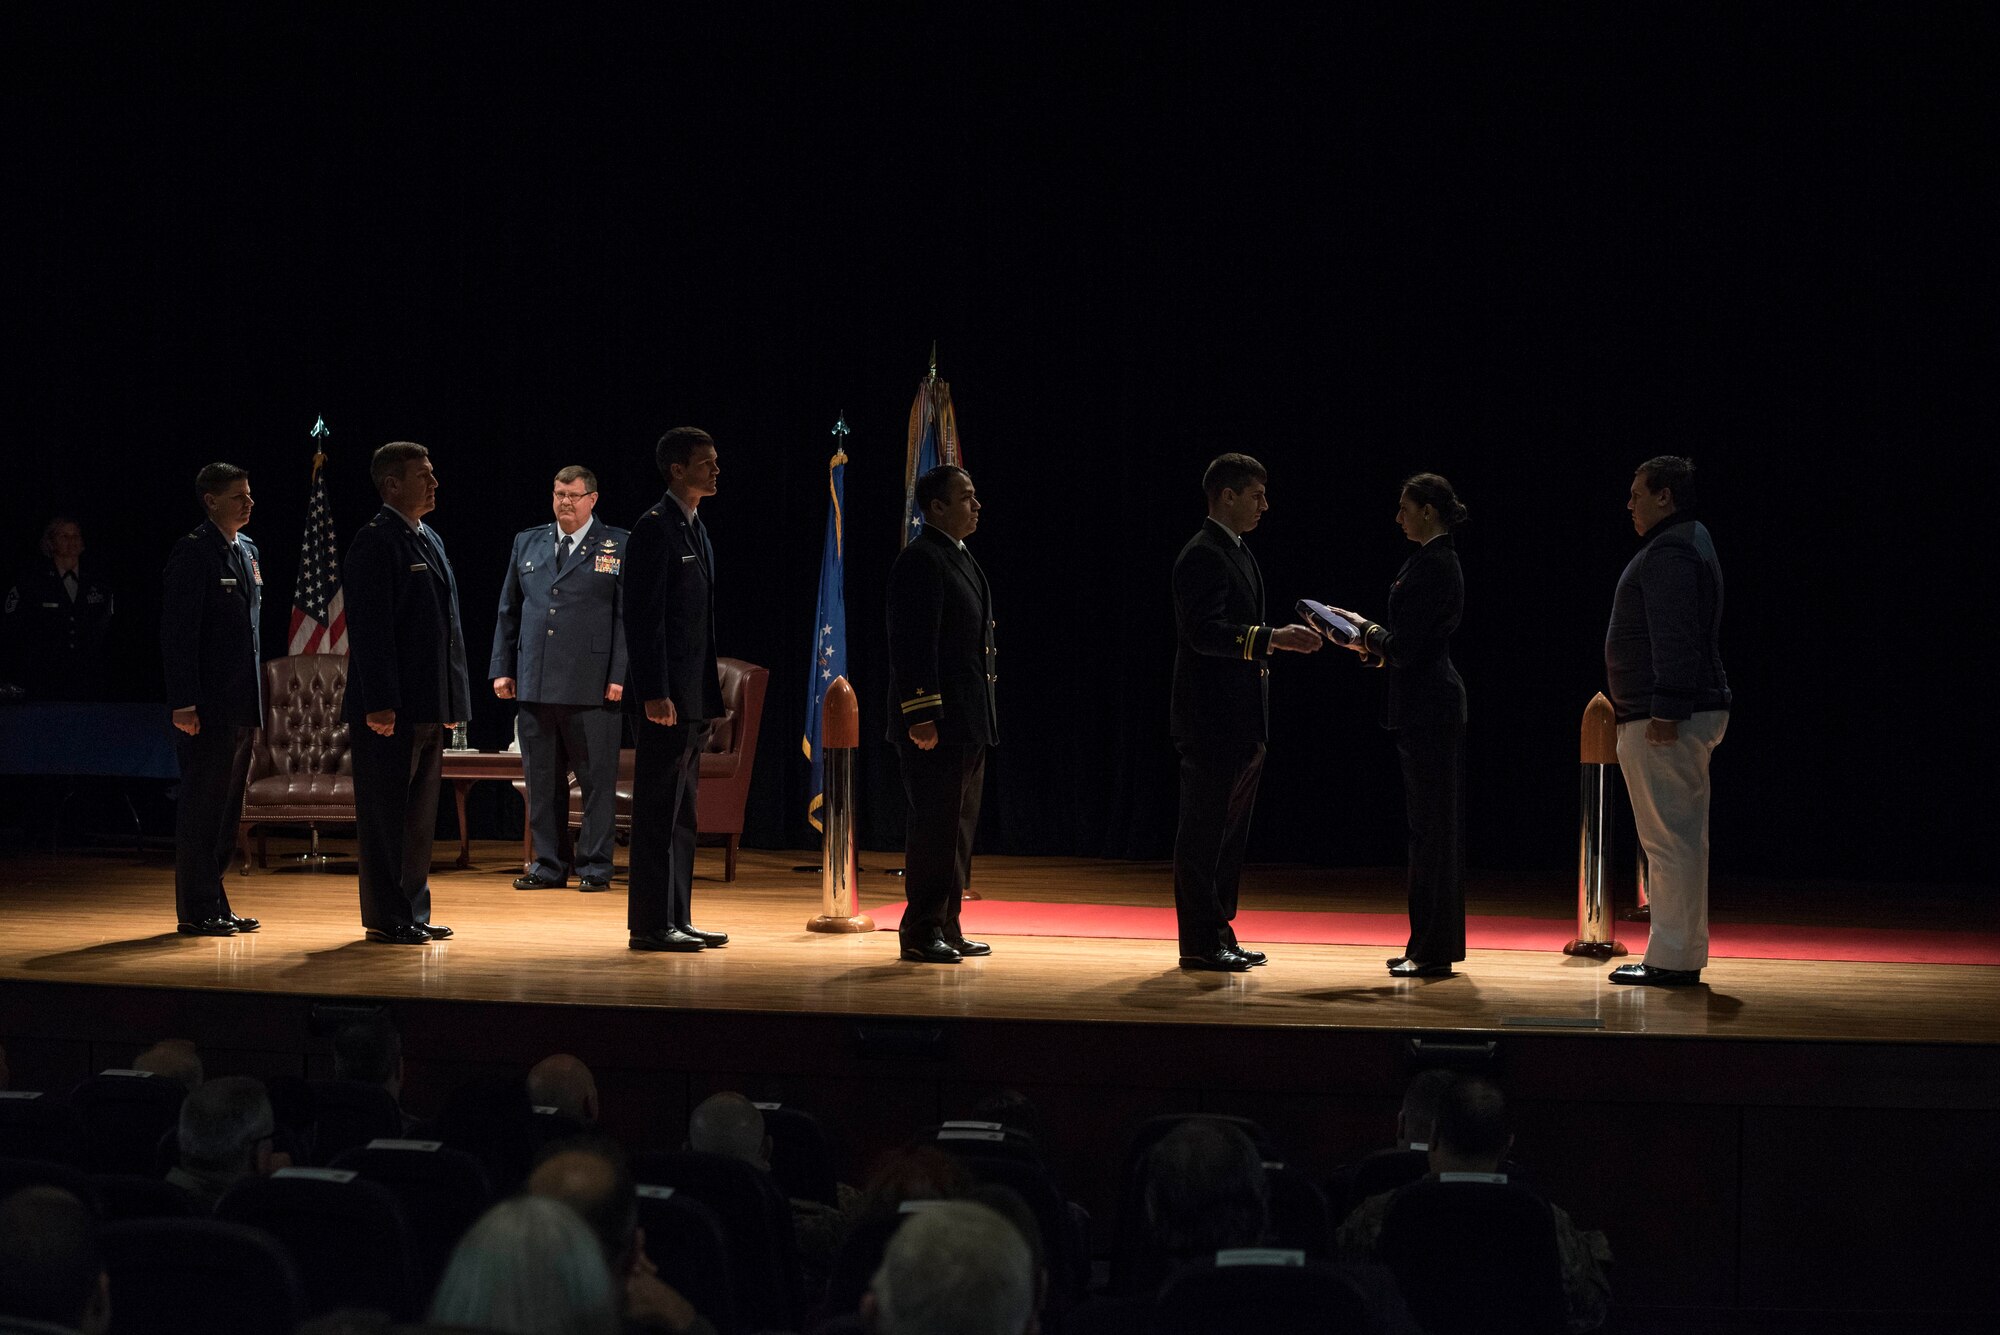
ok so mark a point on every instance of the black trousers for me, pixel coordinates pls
(395, 815)
(1218, 795)
(943, 786)
(558, 739)
(1433, 759)
(666, 777)
(214, 764)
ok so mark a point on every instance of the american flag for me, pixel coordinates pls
(319, 619)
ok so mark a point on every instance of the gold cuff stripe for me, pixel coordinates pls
(922, 702)
(1250, 643)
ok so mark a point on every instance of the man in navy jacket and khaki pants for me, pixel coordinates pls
(1663, 662)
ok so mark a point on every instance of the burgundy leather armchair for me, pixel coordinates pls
(301, 768)
(725, 766)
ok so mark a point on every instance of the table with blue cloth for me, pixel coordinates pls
(86, 739)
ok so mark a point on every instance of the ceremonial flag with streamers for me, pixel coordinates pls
(319, 619)
(933, 441)
(829, 624)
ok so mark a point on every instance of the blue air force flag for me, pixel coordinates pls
(829, 626)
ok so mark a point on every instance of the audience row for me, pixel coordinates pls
(162, 1201)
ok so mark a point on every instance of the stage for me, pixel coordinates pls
(107, 919)
(1719, 1106)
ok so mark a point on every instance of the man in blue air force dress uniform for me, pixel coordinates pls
(1221, 709)
(942, 715)
(672, 690)
(559, 648)
(406, 687)
(212, 595)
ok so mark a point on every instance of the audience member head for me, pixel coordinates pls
(1472, 1134)
(956, 1268)
(1009, 1205)
(730, 1125)
(51, 1268)
(1205, 1189)
(530, 1266)
(1419, 1112)
(564, 1083)
(174, 1059)
(370, 1052)
(226, 1128)
(592, 1175)
(917, 1173)
(1013, 1110)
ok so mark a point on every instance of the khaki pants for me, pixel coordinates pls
(1669, 790)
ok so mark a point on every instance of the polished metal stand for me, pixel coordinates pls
(839, 887)
(1599, 754)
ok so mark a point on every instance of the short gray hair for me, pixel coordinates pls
(955, 1268)
(529, 1266)
(391, 459)
(221, 1122)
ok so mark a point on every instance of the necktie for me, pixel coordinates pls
(562, 551)
(69, 584)
(707, 552)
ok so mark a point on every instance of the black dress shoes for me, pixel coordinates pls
(706, 938)
(591, 884)
(244, 924)
(933, 951)
(436, 931)
(1647, 976)
(1409, 968)
(533, 882)
(965, 947)
(209, 927)
(1254, 956)
(671, 939)
(1220, 960)
(408, 934)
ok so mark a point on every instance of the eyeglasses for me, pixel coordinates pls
(571, 495)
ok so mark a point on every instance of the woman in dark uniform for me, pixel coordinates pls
(1425, 707)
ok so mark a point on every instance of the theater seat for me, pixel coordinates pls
(135, 1196)
(16, 1174)
(725, 767)
(123, 1119)
(173, 1276)
(1258, 1293)
(301, 767)
(757, 1221)
(686, 1244)
(441, 1192)
(349, 1113)
(1475, 1257)
(346, 1236)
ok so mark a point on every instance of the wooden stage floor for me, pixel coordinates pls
(106, 919)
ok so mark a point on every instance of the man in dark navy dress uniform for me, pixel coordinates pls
(672, 690)
(942, 715)
(1221, 708)
(406, 688)
(211, 598)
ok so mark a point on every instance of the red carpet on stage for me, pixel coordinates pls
(1726, 940)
